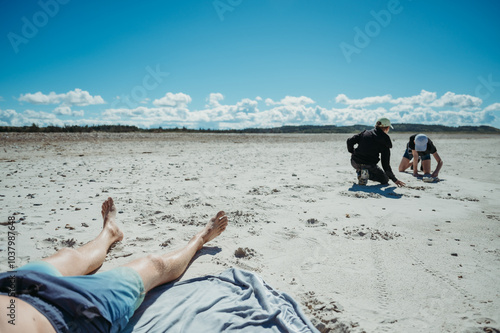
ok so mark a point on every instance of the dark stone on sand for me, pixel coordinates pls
(240, 253)
(243, 252)
(166, 243)
(454, 254)
(68, 242)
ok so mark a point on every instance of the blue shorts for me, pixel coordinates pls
(408, 154)
(119, 291)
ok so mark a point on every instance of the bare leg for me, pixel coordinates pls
(159, 269)
(426, 166)
(405, 164)
(90, 256)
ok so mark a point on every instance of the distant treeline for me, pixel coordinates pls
(102, 128)
(411, 128)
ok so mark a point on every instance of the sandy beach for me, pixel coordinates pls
(423, 258)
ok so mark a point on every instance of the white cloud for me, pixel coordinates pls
(269, 101)
(8, 117)
(76, 97)
(291, 100)
(214, 113)
(343, 99)
(39, 98)
(28, 117)
(214, 99)
(172, 110)
(492, 107)
(173, 100)
(459, 101)
(424, 98)
(295, 101)
(402, 108)
(1, 99)
(247, 105)
(81, 98)
(66, 111)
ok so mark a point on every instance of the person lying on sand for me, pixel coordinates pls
(373, 145)
(419, 148)
(56, 294)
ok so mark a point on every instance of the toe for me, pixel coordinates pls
(224, 222)
(220, 215)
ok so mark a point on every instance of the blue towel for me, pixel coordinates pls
(235, 301)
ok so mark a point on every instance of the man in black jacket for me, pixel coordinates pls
(373, 145)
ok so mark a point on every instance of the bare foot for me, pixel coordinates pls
(109, 215)
(214, 228)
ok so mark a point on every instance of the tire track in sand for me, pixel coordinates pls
(381, 285)
(403, 251)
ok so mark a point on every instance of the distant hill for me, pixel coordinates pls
(309, 129)
(410, 128)
(441, 128)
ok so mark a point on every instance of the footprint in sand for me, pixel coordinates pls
(246, 253)
(361, 195)
(325, 313)
(314, 223)
(368, 233)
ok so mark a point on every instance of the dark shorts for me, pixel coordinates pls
(408, 154)
(117, 292)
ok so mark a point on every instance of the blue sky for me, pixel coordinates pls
(242, 63)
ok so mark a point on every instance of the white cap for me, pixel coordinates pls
(384, 122)
(421, 142)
